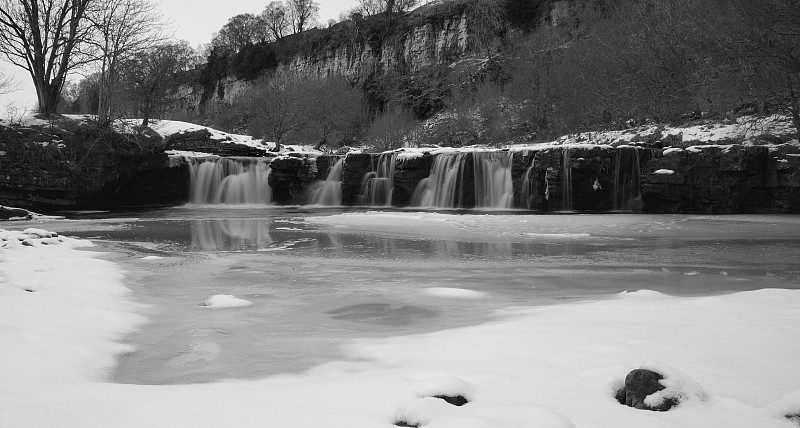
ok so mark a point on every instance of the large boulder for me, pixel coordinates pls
(639, 384)
(658, 387)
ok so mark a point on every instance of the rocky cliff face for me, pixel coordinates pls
(423, 46)
(428, 44)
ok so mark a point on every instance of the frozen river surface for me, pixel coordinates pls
(319, 278)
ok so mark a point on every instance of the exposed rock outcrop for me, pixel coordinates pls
(77, 165)
(203, 141)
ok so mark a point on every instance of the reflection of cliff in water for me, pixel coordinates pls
(230, 235)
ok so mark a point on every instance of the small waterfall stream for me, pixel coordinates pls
(230, 181)
(528, 186)
(439, 189)
(493, 186)
(566, 180)
(328, 192)
(627, 175)
(377, 186)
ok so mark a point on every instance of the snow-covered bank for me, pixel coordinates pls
(553, 366)
(62, 311)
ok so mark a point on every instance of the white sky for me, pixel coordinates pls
(193, 20)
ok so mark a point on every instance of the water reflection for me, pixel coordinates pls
(457, 249)
(230, 235)
(281, 234)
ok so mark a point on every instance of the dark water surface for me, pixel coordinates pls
(315, 284)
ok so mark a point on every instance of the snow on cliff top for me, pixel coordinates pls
(745, 130)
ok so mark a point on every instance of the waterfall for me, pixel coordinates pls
(566, 181)
(439, 189)
(493, 185)
(527, 192)
(626, 192)
(230, 181)
(328, 192)
(445, 186)
(377, 186)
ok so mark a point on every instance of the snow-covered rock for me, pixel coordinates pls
(222, 301)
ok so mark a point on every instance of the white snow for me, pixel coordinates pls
(677, 385)
(224, 301)
(663, 172)
(62, 313)
(733, 356)
(454, 293)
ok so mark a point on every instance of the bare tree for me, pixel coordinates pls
(122, 29)
(374, 7)
(41, 37)
(301, 13)
(7, 84)
(334, 108)
(276, 18)
(149, 75)
(487, 24)
(276, 107)
(766, 48)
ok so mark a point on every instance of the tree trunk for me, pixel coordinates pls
(49, 97)
(390, 6)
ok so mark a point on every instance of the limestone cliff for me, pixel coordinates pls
(357, 49)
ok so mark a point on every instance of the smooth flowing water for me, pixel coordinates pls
(230, 181)
(377, 186)
(449, 184)
(319, 278)
(328, 192)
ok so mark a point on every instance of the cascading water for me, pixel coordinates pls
(377, 187)
(328, 192)
(493, 185)
(230, 181)
(445, 186)
(439, 190)
(527, 192)
(627, 175)
(566, 180)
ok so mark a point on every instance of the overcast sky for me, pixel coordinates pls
(193, 20)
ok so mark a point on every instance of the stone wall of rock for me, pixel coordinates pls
(102, 180)
(290, 177)
(408, 174)
(356, 165)
(723, 179)
(711, 179)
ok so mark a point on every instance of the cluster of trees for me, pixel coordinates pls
(617, 63)
(121, 44)
(611, 64)
(277, 20)
(285, 108)
(283, 18)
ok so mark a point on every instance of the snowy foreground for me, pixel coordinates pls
(733, 358)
